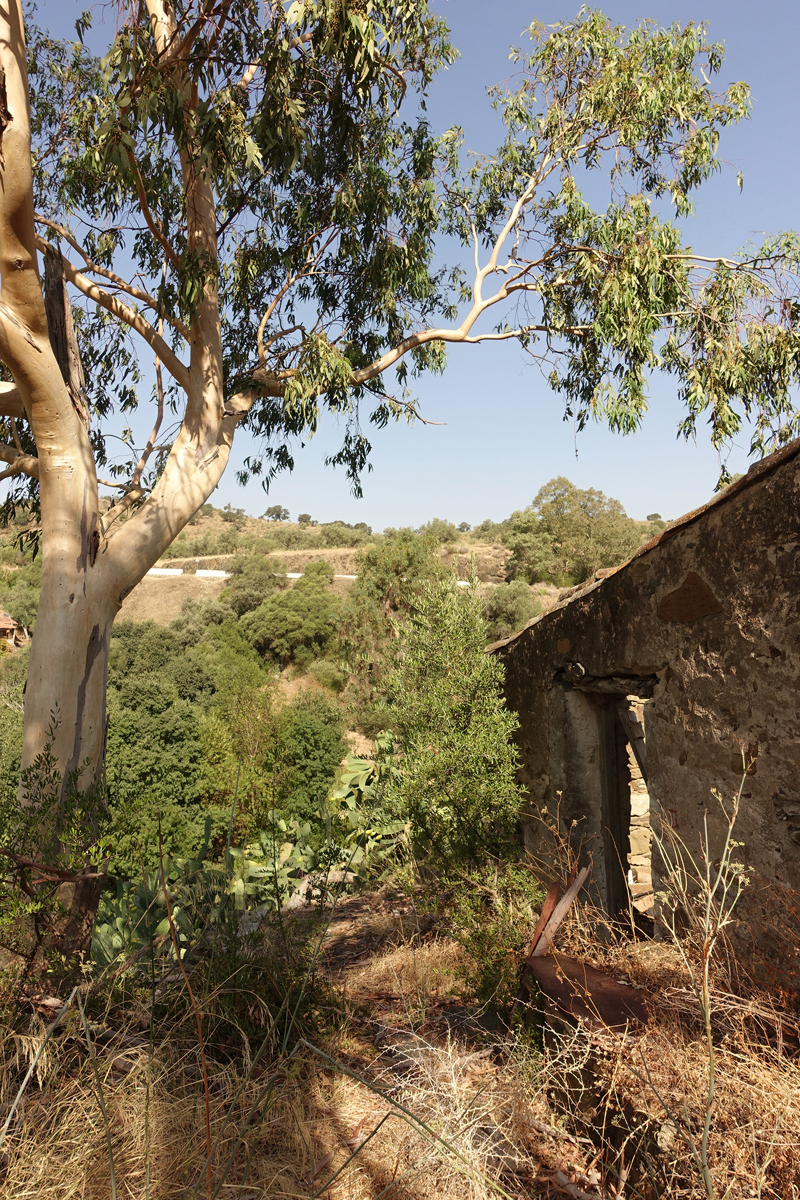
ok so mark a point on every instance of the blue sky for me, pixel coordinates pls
(504, 435)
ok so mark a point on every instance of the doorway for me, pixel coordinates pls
(631, 717)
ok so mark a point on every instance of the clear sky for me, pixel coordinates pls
(504, 434)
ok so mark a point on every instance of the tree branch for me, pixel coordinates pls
(151, 441)
(20, 463)
(123, 504)
(21, 288)
(11, 401)
(129, 315)
(117, 280)
(150, 220)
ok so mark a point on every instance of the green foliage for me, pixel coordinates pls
(490, 531)
(298, 625)
(605, 296)
(507, 608)
(373, 719)
(253, 580)
(241, 741)
(389, 576)
(135, 920)
(442, 531)
(265, 872)
(20, 583)
(58, 823)
(207, 544)
(279, 156)
(286, 758)
(13, 671)
(311, 748)
(130, 837)
(567, 534)
(491, 912)
(327, 674)
(458, 769)
(153, 746)
(365, 803)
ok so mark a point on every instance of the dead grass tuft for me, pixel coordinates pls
(412, 972)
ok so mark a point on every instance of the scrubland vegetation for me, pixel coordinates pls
(263, 913)
(303, 974)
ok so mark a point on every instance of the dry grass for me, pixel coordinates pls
(414, 973)
(644, 1100)
(424, 1120)
(388, 1102)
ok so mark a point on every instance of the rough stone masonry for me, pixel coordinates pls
(695, 640)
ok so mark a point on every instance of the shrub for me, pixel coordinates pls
(442, 531)
(373, 719)
(389, 577)
(508, 607)
(253, 579)
(191, 677)
(327, 674)
(298, 625)
(491, 913)
(458, 772)
(131, 838)
(311, 748)
(152, 750)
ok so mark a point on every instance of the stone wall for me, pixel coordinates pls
(702, 626)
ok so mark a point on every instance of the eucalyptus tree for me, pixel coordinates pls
(234, 189)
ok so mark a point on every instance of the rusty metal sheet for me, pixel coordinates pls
(593, 997)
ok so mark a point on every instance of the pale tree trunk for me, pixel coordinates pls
(85, 573)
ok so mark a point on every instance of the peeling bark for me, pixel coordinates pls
(63, 342)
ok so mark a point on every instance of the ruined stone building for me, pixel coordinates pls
(640, 692)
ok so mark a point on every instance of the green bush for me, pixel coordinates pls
(253, 579)
(298, 625)
(311, 748)
(507, 608)
(380, 599)
(327, 674)
(491, 913)
(13, 670)
(459, 763)
(373, 719)
(442, 531)
(151, 749)
(20, 586)
(131, 837)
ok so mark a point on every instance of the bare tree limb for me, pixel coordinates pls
(150, 220)
(129, 315)
(118, 282)
(20, 463)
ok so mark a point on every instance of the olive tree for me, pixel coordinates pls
(234, 190)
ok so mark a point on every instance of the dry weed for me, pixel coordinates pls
(412, 972)
(431, 1120)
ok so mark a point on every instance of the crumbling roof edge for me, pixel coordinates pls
(757, 472)
(764, 466)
